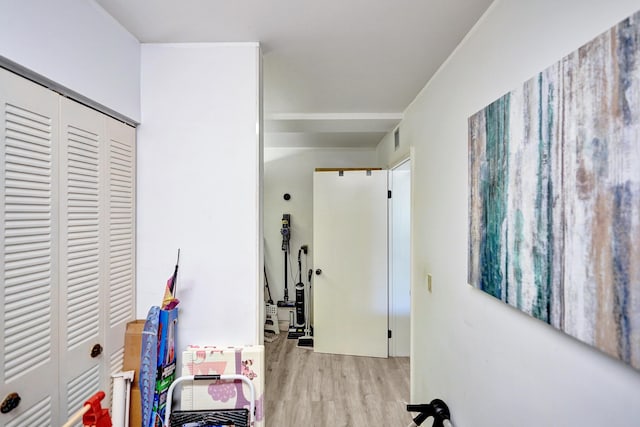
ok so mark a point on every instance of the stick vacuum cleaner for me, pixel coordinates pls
(285, 231)
(300, 313)
(307, 339)
(299, 316)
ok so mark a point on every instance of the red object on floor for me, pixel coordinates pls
(96, 416)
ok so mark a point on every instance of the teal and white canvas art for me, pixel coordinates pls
(554, 194)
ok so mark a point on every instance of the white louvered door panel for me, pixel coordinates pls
(82, 261)
(121, 237)
(29, 330)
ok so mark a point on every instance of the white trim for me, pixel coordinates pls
(335, 116)
(204, 44)
(393, 324)
(412, 262)
(260, 306)
(321, 148)
(400, 162)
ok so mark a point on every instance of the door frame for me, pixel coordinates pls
(394, 316)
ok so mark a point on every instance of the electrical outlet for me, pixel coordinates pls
(429, 282)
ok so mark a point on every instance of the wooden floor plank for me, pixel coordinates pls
(304, 388)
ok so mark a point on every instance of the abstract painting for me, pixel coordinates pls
(554, 194)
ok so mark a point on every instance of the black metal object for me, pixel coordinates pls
(212, 377)
(96, 351)
(266, 283)
(234, 417)
(437, 409)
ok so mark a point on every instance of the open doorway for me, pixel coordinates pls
(400, 259)
(301, 384)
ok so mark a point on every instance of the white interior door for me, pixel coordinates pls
(29, 267)
(350, 249)
(68, 250)
(82, 266)
(120, 282)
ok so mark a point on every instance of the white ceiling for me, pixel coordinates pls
(337, 73)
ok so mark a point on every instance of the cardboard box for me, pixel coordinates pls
(135, 410)
(132, 349)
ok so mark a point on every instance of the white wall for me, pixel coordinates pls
(492, 364)
(290, 170)
(75, 44)
(199, 162)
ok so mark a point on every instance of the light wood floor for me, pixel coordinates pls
(304, 388)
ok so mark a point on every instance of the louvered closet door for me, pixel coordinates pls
(121, 238)
(82, 260)
(29, 328)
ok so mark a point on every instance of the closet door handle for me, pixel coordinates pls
(10, 402)
(96, 351)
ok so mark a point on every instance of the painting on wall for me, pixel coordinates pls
(554, 194)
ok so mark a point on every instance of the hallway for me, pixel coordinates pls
(304, 388)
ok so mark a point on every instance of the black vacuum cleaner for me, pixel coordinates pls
(299, 317)
(300, 291)
(307, 339)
